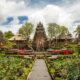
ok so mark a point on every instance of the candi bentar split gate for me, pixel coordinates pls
(40, 42)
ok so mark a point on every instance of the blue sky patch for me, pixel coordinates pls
(9, 19)
(22, 19)
(77, 21)
(43, 3)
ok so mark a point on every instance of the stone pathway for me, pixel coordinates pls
(39, 71)
(54, 56)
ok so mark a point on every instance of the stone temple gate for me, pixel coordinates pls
(40, 39)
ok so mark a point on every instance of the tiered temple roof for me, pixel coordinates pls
(39, 41)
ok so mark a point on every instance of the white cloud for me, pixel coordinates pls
(63, 15)
(7, 8)
(13, 28)
(15, 21)
(52, 13)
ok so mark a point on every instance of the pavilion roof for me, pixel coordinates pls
(17, 37)
(65, 37)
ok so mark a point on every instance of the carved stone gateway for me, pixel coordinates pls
(40, 39)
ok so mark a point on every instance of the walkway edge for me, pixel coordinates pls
(28, 76)
(31, 70)
(48, 70)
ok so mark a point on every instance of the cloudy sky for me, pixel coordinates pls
(14, 13)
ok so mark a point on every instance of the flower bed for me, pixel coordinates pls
(14, 68)
(64, 67)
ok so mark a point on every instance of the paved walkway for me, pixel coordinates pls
(39, 71)
(54, 56)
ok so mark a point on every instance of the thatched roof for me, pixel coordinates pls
(17, 37)
(65, 37)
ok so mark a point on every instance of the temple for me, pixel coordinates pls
(40, 39)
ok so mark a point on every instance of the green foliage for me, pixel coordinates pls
(65, 67)
(61, 47)
(64, 30)
(74, 47)
(9, 43)
(55, 30)
(58, 79)
(8, 35)
(52, 70)
(13, 68)
(26, 30)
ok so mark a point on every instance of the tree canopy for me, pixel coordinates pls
(64, 30)
(8, 34)
(53, 30)
(26, 30)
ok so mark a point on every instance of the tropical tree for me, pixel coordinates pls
(53, 31)
(64, 30)
(77, 31)
(8, 34)
(26, 30)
